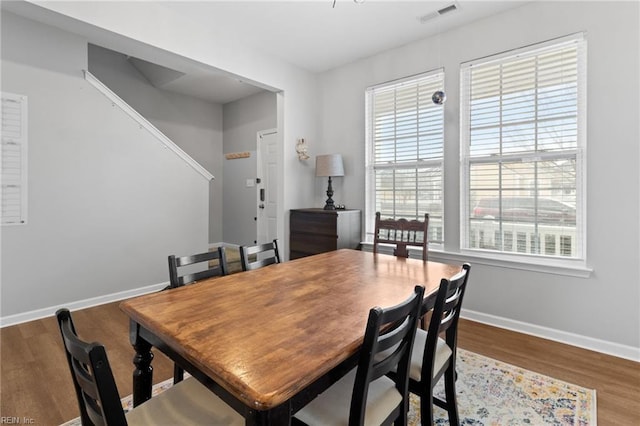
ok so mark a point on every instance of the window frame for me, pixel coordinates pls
(19, 138)
(579, 154)
(370, 167)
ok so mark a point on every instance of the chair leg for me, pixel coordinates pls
(426, 407)
(178, 374)
(403, 418)
(450, 377)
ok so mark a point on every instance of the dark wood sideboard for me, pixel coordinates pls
(313, 231)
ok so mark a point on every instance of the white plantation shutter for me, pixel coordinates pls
(14, 159)
(405, 138)
(522, 124)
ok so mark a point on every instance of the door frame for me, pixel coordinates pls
(261, 226)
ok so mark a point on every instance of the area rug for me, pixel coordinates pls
(492, 393)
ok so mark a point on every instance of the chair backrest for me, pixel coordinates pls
(387, 346)
(444, 318)
(254, 257)
(96, 390)
(216, 265)
(402, 233)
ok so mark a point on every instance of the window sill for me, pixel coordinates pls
(544, 265)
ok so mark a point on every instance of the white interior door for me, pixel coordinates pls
(267, 186)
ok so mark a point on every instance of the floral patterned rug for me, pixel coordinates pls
(492, 393)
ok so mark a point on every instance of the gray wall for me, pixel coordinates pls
(107, 202)
(296, 89)
(604, 308)
(242, 120)
(193, 124)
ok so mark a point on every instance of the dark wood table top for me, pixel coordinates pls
(266, 334)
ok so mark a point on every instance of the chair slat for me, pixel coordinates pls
(218, 269)
(402, 233)
(258, 256)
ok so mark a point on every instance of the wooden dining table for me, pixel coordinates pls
(268, 341)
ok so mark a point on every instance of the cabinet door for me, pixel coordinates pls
(348, 229)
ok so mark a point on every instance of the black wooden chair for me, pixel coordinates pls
(434, 357)
(215, 264)
(366, 395)
(402, 233)
(254, 257)
(187, 403)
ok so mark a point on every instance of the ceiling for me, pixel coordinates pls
(193, 80)
(315, 35)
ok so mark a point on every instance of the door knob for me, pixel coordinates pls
(261, 206)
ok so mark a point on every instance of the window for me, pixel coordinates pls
(14, 159)
(522, 146)
(404, 161)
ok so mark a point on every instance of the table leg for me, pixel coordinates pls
(143, 373)
(280, 416)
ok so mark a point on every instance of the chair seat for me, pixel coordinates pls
(332, 406)
(186, 403)
(443, 353)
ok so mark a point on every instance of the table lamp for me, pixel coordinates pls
(331, 166)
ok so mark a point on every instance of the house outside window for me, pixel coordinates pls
(404, 158)
(522, 128)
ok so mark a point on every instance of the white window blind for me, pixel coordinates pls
(404, 162)
(522, 144)
(14, 159)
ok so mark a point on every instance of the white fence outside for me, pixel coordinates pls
(514, 237)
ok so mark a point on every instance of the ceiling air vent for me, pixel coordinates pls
(452, 7)
(432, 15)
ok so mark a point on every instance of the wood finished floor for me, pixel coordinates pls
(36, 384)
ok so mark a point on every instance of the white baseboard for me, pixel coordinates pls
(602, 346)
(80, 304)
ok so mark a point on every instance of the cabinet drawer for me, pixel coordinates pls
(312, 243)
(323, 224)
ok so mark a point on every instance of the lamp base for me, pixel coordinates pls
(328, 205)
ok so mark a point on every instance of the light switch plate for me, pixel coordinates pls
(250, 183)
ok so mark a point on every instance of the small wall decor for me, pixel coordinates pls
(301, 149)
(235, 155)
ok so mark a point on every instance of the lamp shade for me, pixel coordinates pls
(329, 165)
